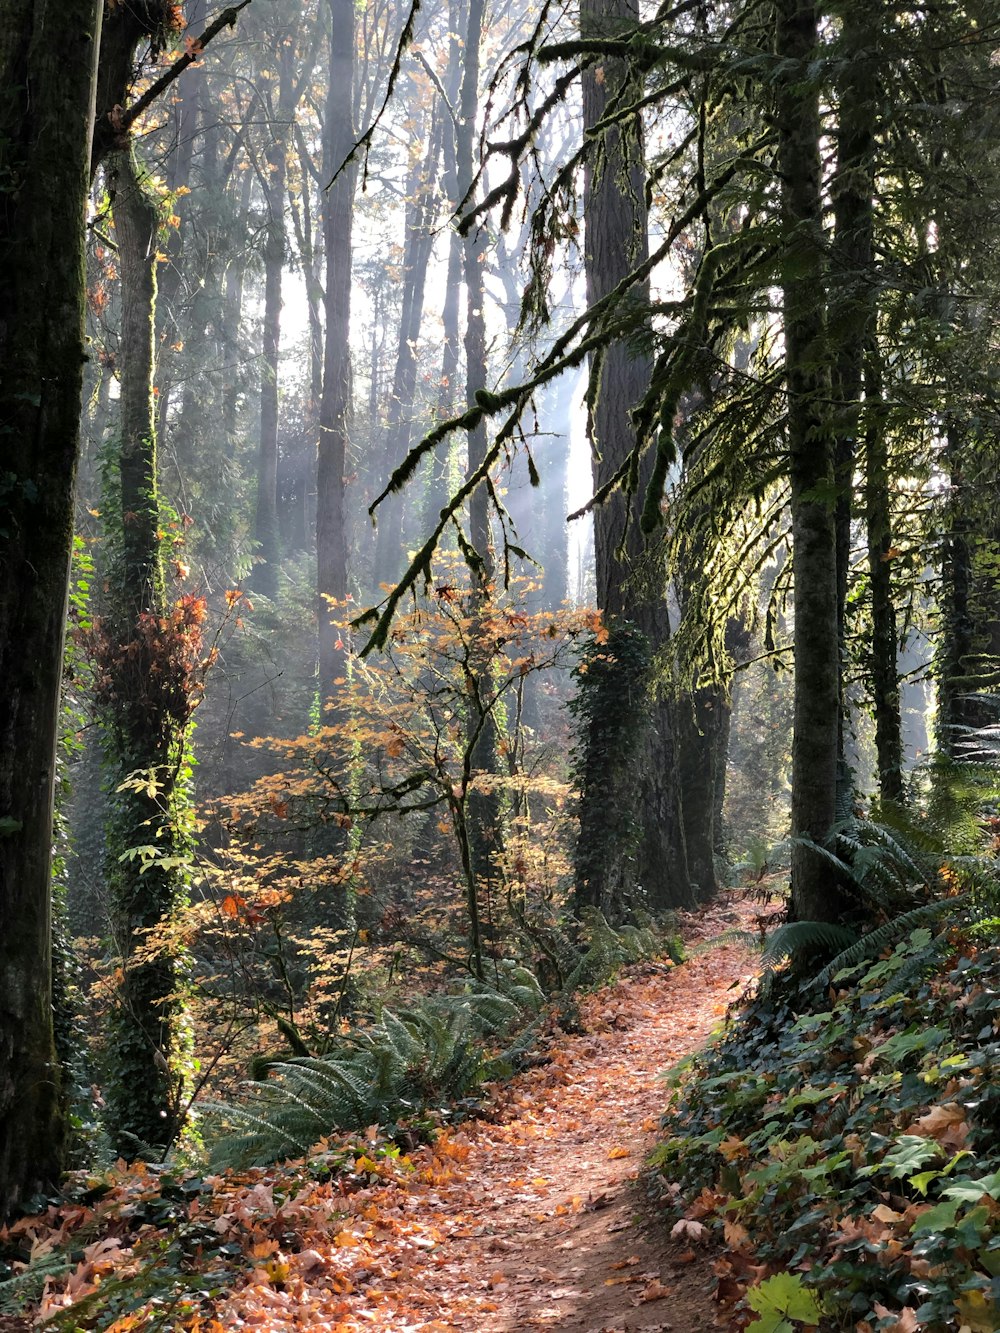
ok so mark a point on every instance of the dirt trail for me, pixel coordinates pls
(537, 1219)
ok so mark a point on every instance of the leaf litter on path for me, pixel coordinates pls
(532, 1218)
(537, 1218)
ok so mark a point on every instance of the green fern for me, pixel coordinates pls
(805, 937)
(891, 932)
(430, 1053)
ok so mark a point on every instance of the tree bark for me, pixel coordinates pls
(883, 667)
(815, 745)
(46, 124)
(266, 528)
(338, 216)
(141, 733)
(422, 197)
(630, 581)
(852, 292)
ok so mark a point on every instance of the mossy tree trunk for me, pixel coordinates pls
(852, 308)
(816, 730)
(46, 123)
(630, 580)
(144, 715)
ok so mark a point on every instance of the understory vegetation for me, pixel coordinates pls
(841, 1138)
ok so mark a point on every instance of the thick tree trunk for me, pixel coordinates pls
(630, 582)
(338, 216)
(700, 717)
(46, 122)
(815, 745)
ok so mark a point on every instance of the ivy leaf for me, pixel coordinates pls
(780, 1299)
(939, 1218)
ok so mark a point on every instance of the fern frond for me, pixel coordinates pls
(891, 932)
(806, 936)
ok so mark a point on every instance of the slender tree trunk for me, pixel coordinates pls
(551, 506)
(338, 215)
(484, 816)
(184, 112)
(266, 528)
(46, 123)
(140, 723)
(883, 665)
(852, 303)
(439, 486)
(816, 735)
(421, 203)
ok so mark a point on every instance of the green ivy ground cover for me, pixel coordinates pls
(844, 1145)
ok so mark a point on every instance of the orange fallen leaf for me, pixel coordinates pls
(653, 1291)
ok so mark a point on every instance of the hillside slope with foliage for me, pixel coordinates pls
(841, 1142)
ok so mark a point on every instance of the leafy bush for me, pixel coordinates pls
(848, 1135)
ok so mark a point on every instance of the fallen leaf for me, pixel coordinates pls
(654, 1291)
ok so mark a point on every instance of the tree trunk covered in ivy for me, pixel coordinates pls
(142, 656)
(338, 218)
(46, 122)
(815, 744)
(630, 581)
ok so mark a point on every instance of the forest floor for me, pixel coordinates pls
(534, 1216)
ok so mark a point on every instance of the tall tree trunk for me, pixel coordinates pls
(852, 288)
(422, 196)
(142, 723)
(184, 112)
(551, 507)
(338, 216)
(484, 818)
(883, 665)
(266, 527)
(439, 487)
(46, 123)
(630, 583)
(815, 744)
